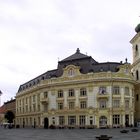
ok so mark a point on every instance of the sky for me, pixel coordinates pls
(36, 34)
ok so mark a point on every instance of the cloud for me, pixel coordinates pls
(34, 34)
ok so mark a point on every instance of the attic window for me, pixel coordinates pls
(71, 72)
(101, 69)
(136, 50)
(34, 83)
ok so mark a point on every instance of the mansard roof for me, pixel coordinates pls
(86, 63)
(35, 81)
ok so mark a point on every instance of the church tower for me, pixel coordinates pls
(135, 41)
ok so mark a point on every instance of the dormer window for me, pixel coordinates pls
(136, 50)
(71, 72)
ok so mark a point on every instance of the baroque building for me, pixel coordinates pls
(81, 92)
(135, 41)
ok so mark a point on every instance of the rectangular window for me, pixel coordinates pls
(30, 109)
(38, 97)
(61, 120)
(26, 108)
(45, 107)
(83, 104)
(23, 102)
(103, 104)
(45, 94)
(116, 103)
(71, 105)
(102, 90)
(20, 102)
(30, 101)
(34, 108)
(116, 90)
(60, 106)
(83, 92)
(60, 93)
(71, 92)
(34, 98)
(82, 120)
(26, 100)
(126, 104)
(38, 107)
(127, 91)
(71, 120)
(116, 119)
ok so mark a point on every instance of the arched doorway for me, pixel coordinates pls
(103, 122)
(46, 123)
(126, 120)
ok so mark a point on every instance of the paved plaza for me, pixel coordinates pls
(66, 134)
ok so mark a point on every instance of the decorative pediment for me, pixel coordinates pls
(71, 71)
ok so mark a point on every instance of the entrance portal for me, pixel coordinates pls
(126, 120)
(46, 123)
(103, 122)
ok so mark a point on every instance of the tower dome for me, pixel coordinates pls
(137, 29)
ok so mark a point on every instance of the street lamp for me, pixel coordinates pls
(0, 97)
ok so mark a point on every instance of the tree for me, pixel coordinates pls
(9, 116)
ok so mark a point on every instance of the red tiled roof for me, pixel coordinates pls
(2, 109)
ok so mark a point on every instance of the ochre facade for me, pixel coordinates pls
(104, 99)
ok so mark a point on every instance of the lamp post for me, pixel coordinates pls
(0, 97)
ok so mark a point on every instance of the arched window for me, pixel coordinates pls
(71, 72)
(137, 75)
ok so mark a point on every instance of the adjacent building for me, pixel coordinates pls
(81, 92)
(136, 70)
(9, 106)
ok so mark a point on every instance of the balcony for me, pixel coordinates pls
(83, 97)
(44, 100)
(102, 96)
(59, 99)
(71, 98)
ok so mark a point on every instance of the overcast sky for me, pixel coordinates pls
(34, 34)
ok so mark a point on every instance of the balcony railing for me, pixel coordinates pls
(102, 95)
(44, 100)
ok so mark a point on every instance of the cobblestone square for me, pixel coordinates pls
(66, 134)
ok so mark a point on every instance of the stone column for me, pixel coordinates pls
(77, 120)
(66, 120)
(132, 119)
(123, 120)
(86, 120)
(77, 97)
(110, 121)
(65, 99)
